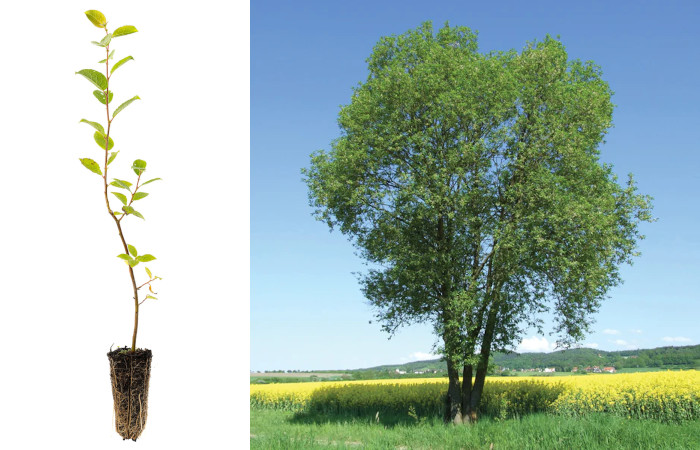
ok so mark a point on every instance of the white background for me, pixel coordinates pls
(65, 296)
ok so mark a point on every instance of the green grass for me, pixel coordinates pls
(274, 429)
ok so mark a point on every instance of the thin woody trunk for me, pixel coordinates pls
(471, 400)
(467, 414)
(111, 213)
(453, 402)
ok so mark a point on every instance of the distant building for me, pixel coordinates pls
(609, 369)
(400, 372)
(550, 369)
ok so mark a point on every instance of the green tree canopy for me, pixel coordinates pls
(472, 185)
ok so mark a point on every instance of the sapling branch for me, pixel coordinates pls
(148, 282)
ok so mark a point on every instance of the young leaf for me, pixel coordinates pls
(111, 157)
(120, 62)
(131, 210)
(102, 61)
(150, 288)
(133, 263)
(100, 140)
(91, 165)
(105, 40)
(155, 179)
(148, 272)
(121, 197)
(95, 77)
(150, 296)
(117, 213)
(99, 95)
(140, 195)
(124, 105)
(132, 250)
(121, 184)
(95, 125)
(146, 258)
(125, 257)
(111, 54)
(139, 167)
(123, 31)
(97, 18)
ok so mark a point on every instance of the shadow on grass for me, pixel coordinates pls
(388, 419)
(414, 404)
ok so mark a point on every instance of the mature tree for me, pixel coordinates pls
(471, 183)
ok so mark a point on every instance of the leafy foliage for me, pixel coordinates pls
(95, 77)
(124, 30)
(124, 105)
(472, 185)
(120, 63)
(97, 18)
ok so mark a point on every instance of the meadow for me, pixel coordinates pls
(634, 410)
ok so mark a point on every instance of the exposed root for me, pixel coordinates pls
(130, 374)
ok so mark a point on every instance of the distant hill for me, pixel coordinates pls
(686, 357)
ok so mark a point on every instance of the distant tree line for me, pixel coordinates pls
(564, 361)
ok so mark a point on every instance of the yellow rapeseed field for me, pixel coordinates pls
(664, 396)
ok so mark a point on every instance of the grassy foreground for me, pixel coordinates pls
(276, 429)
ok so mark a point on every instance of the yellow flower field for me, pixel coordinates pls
(663, 396)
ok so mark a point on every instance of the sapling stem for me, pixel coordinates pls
(109, 210)
(130, 254)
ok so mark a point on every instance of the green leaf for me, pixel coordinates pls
(120, 196)
(121, 184)
(155, 179)
(105, 40)
(111, 157)
(120, 62)
(99, 95)
(150, 296)
(131, 210)
(95, 77)
(148, 272)
(97, 18)
(132, 250)
(123, 31)
(133, 263)
(100, 139)
(95, 125)
(91, 165)
(110, 56)
(146, 258)
(125, 257)
(124, 105)
(139, 167)
(140, 195)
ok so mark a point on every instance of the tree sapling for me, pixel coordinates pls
(130, 367)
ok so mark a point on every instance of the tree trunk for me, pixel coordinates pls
(453, 400)
(468, 413)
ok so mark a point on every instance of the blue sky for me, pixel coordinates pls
(306, 308)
